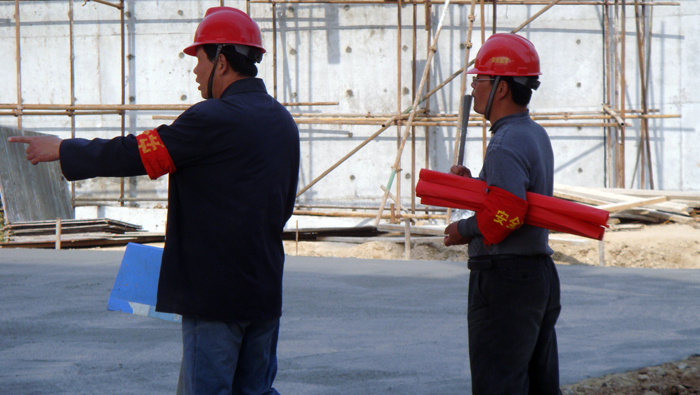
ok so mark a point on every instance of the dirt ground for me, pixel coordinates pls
(652, 246)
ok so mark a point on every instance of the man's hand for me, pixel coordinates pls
(40, 148)
(461, 171)
(453, 237)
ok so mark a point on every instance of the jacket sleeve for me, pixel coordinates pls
(118, 157)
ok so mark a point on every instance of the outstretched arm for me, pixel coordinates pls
(39, 148)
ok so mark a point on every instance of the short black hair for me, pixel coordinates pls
(520, 94)
(238, 62)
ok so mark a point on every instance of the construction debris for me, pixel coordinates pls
(75, 234)
(639, 206)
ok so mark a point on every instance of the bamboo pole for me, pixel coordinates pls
(647, 46)
(274, 50)
(18, 62)
(71, 114)
(366, 215)
(384, 127)
(123, 85)
(455, 2)
(641, 149)
(623, 85)
(463, 89)
(397, 162)
(398, 97)
(608, 132)
(118, 6)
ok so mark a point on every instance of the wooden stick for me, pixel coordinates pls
(58, 233)
(407, 239)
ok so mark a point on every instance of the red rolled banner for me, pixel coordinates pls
(449, 190)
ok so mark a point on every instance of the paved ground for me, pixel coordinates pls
(349, 327)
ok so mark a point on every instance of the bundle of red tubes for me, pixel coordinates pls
(449, 190)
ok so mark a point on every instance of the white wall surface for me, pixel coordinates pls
(348, 54)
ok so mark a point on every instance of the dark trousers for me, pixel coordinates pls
(513, 306)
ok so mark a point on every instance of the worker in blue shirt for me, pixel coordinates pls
(233, 163)
(514, 291)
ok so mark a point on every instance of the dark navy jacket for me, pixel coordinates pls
(233, 190)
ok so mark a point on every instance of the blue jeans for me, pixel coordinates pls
(228, 358)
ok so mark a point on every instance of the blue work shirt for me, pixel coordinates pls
(519, 159)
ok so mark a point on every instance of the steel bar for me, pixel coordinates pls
(463, 88)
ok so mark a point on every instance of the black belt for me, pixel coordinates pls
(503, 262)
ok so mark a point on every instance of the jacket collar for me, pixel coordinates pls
(243, 86)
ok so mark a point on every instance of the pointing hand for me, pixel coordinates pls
(40, 148)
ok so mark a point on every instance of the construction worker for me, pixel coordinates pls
(513, 285)
(233, 163)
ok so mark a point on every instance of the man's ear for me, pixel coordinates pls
(222, 65)
(503, 90)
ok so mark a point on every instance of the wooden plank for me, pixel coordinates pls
(415, 230)
(611, 197)
(391, 239)
(614, 207)
(671, 195)
(652, 216)
(573, 240)
(561, 194)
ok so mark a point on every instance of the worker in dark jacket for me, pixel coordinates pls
(233, 163)
(513, 285)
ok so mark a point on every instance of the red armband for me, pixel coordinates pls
(501, 214)
(154, 155)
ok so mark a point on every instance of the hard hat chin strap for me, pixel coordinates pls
(213, 70)
(496, 81)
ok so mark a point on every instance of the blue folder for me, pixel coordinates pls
(136, 286)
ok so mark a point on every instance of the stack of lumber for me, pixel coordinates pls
(75, 234)
(636, 205)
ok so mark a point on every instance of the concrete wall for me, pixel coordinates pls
(348, 54)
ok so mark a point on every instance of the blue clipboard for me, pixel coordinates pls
(136, 286)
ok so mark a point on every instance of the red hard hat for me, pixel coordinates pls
(507, 54)
(226, 25)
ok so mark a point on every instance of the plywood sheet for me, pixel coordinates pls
(30, 193)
